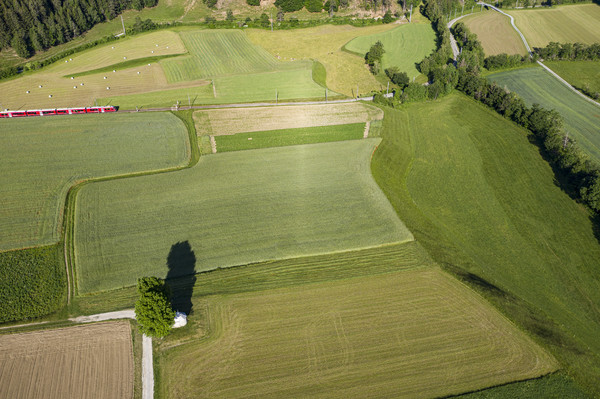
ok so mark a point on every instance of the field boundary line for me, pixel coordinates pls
(213, 144)
(367, 128)
(193, 154)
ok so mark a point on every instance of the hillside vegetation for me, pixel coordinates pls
(483, 202)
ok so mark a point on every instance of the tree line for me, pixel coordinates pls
(36, 25)
(561, 151)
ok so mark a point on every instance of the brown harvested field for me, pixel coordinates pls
(241, 120)
(410, 334)
(87, 361)
(495, 33)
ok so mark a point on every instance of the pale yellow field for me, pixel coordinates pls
(238, 120)
(87, 361)
(495, 33)
(324, 43)
(13, 93)
(410, 334)
(564, 24)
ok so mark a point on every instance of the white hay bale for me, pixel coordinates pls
(107, 88)
(105, 78)
(27, 91)
(40, 86)
(50, 96)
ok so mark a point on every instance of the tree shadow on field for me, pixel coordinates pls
(181, 277)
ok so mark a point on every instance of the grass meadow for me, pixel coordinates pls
(351, 338)
(580, 74)
(495, 33)
(344, 71)
(233, 209)
(405, 46)
(535, 85)
(285, 137)
(43, 157)
(255, 119)
(564, 24)
(482, 201)
(218, 53)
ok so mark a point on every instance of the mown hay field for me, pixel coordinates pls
(495, 33)
(324, 43)
(241, 120)
(149, 85)
(477, 194)
(233, 209)
(416, 333)
(285, 137)
(88, 361)
(404, 46)
(43, 157)
(564, 24)
(535, 85)
(267, 86)
(220, 52)
(581, 74)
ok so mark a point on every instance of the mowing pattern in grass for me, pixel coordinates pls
(478, 195)
(565, 24)
(404, 46)
(267, 86)
(416, 333)
(495, 33)
(257, 119)
(535, 85)
(32, 283)
(43, 157)
(581, 74)
(323, 43)
(234, 209)
(89, 361)
(285, 137)
(218, 53)
(275, 274)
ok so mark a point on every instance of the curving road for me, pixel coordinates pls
(512, 22)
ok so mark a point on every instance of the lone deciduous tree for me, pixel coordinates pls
(153, 309)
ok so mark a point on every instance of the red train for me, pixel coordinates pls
(57, 111)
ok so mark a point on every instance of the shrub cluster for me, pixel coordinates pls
(32, 283)
(373, 57)
(153, 310)
(503, 61)
(569, 51)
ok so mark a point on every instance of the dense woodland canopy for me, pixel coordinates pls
(33, 25)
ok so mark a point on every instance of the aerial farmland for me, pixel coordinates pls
(284, 200)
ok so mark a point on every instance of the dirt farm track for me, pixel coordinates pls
(88, 361)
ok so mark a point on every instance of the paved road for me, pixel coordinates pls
(455, 50)
(147, 368)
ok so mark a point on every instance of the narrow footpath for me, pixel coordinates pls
(147, 368)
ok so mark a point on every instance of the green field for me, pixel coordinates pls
(480, 198)
(564, 24)
(43, 157)
(234, 209)
(285, 137)
(495, 33)
(581, 74)
(535, 85)
(416, 333)
(218, 53)
(267, 86)
(404, 46)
